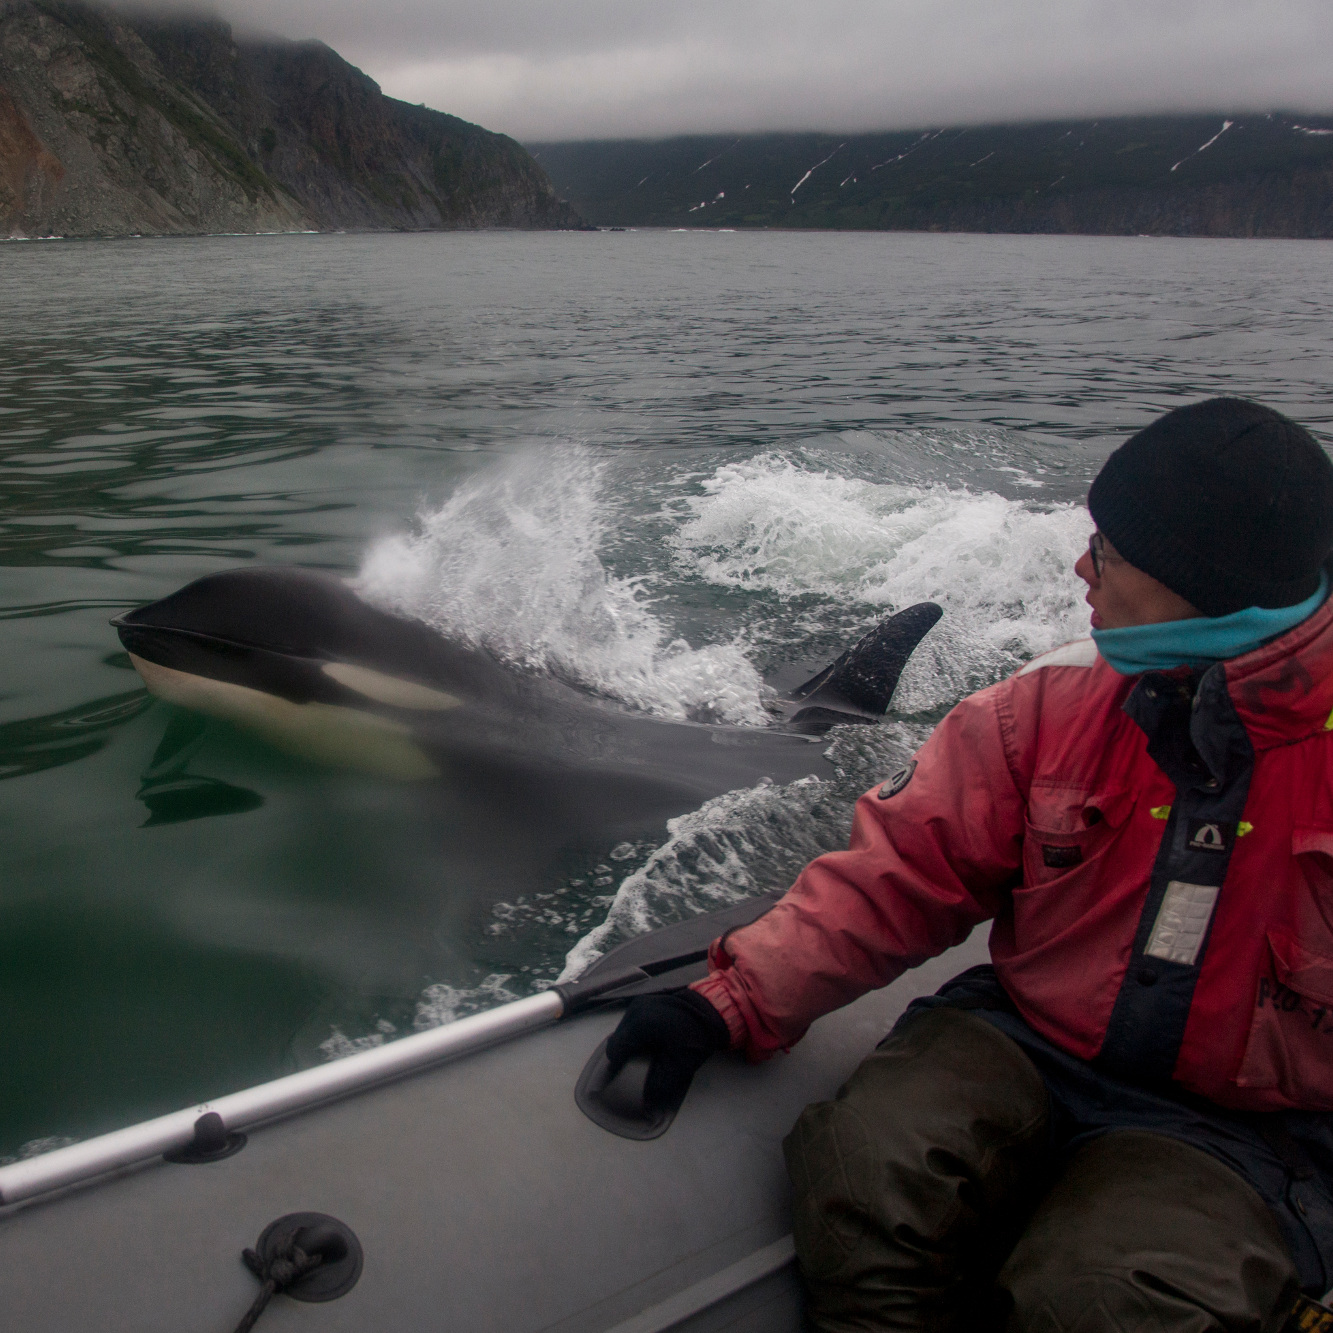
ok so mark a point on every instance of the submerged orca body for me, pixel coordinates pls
(300, 658)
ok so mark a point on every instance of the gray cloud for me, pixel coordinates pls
(615, 68)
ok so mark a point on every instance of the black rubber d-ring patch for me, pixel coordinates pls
(617, 1104)
(335, 1240)
(898, 781)
(212, 1142)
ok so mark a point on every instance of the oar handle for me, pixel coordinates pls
(599, 986)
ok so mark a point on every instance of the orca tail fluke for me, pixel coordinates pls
(860, 684)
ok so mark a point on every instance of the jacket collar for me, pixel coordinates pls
(1283, 691)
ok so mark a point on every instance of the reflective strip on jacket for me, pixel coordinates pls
(1158, 863)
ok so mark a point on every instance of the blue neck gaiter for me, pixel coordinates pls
(1204, 640)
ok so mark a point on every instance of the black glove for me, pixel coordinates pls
(678, 1030)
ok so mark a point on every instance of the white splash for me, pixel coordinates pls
(1001, 569)
(511, 562)
(719, 873)
(38, 1147)
(436, 1006)
(338, 1045)
(747, 842)
(441, 1003)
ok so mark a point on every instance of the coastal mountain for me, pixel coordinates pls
(113, 123)
(1224, 175)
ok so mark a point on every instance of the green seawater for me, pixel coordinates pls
(662, 465)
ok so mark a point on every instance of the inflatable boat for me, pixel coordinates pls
(474, 1178)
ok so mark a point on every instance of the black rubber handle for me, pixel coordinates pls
(617, 1104)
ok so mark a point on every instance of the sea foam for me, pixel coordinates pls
(511, 562)
(1000, 568)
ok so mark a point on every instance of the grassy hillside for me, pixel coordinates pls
(1223, 175)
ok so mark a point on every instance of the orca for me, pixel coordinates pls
(298, 657)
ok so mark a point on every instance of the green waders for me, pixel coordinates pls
(927, 1198)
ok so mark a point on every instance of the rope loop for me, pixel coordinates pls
(287, 1265)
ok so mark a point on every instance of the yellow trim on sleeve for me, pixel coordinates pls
(1160, 812)
(1243, 828)
(1328, 726)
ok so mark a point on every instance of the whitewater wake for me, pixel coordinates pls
(511, 562)
(1000, 568)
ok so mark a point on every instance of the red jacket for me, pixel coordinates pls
(1159, 869)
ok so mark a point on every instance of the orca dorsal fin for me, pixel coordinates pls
(859, 685)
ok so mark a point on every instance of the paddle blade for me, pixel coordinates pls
(661, 960)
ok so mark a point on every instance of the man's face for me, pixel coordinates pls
(1123, 595)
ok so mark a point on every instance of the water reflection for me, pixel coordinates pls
(176, 800)
(174, 796)
(37, 743)
(100, 431)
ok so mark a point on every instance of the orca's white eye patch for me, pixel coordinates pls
(389, 690)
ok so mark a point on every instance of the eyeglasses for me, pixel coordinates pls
(1100, 558)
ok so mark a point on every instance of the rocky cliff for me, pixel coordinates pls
(1226, 175)
(115, 124)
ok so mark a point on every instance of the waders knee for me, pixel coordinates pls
(1145, 1232)
(910, 1185)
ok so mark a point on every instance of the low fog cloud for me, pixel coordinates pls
(620, 68)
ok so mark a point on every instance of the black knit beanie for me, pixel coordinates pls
(1227, 503)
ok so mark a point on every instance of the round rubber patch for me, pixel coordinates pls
(336, 1242)
(898, 781)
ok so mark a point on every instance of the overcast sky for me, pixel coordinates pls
(539, 69)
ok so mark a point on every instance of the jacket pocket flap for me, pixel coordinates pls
(1068, 811)
(1309, 974)
(1113, 807)
(1310, 838)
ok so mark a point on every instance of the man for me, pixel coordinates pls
(1123, 1123)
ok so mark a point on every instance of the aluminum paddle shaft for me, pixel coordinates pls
(659, 960)
(123, 1147)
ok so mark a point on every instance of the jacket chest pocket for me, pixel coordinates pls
(1066, 828)
(1290, 1043)
(1312, 851)
(1067, 833)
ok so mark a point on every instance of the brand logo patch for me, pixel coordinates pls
(1206, 836)
(898, 781)
(1060, 858)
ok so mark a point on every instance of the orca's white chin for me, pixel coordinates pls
(320, 732)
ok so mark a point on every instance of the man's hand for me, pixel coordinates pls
(678, 1030)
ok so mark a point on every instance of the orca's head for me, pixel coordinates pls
(295, 631)
(297, 612)
(299, 658)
